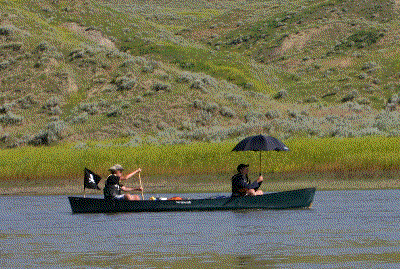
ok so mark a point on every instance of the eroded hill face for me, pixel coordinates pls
(175, 71)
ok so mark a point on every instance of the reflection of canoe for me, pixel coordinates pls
(280, 200)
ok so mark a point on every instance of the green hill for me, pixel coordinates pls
(175, 71)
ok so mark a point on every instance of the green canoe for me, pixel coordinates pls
(301, 198)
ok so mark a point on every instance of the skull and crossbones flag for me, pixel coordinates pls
(91, 180)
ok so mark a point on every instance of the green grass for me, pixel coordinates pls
(341, 159)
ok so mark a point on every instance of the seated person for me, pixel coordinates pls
(112, 188)
(241, 185)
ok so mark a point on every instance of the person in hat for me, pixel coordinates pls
(241, 184)
(113, 188)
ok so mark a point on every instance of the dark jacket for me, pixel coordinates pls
(112, 187)
(241, 183)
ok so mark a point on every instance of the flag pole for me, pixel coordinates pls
(140, 182)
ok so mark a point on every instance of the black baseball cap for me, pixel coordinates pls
(241, 166)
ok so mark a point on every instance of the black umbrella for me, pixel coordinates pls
(260, 143)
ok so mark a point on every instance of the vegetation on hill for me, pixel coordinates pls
(174, 72)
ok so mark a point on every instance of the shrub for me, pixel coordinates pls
(237, 99)
(26, 102)
(129, 63)
(135, 141)
(6, 107)
(227, 112)
(90, 107)
(51, 102)
(394, 99)
(363, 101)
(162, 126)
(281, 94)
(15, 46)
(147, 69)
(362, 76)
(4, 64)
(386, 121)
(350, 96)
(52, 107)
(273, 114)
(254, 116)
(8, 30)
(125, 83)
(197, 84)
(197, 80)
(369, 65)
(44, 46)
(360, 39)
(51, 133)
(151, 140)
(81, 118)
(10, 118)
(138, 99)
(258, 95)
(77, 54)
(159, 86)
(114, 111)
(312, 99)
(125, 105)
(211, 107)
(203, 118)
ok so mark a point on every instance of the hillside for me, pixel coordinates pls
(175, 71)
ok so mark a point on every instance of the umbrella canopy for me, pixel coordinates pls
(260, 143)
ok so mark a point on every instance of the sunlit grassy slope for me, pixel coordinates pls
(177, 72)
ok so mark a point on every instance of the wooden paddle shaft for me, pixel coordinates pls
(140, 182)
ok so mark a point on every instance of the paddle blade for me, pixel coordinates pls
(91, 180)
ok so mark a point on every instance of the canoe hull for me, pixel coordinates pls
(280, 200)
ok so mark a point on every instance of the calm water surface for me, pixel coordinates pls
(344, 229)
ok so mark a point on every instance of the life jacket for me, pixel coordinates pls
(176, 198)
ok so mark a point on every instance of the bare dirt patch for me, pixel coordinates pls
(91, 34)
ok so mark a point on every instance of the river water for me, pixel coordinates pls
(344, 229)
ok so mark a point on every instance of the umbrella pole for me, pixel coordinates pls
(260, 163)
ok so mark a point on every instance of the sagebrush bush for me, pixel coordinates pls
(26, 102)
(15, 46)
(273, 114)
(51, 133)
(281, 94)
(10, 118)
(237, 99)
(114, 111)
(160, 86)
(81, 118)
(350, 96)
(125, 83)
(8, 30)
(6, 107)
(4, 64)
(89, 107)
(227, 112)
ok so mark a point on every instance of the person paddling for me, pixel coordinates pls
(112, 188)
(241, 185)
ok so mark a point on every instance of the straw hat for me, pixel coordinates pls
(116, 167)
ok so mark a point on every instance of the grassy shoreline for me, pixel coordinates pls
(333, 163)
(221, 183)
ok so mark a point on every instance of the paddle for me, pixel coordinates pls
(140, 182)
